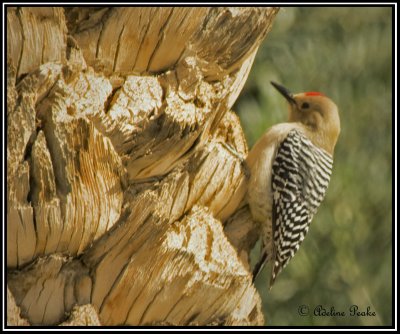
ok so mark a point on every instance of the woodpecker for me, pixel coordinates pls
(290, 168)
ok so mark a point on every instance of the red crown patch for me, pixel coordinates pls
(314, 94)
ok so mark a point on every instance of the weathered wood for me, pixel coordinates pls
(35, 36)
(13, 312)
(124, 159)
(155, 39)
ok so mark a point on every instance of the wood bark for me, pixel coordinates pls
(125, 173)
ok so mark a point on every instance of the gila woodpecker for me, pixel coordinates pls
(290, 167)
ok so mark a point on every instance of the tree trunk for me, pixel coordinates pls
(124, 168)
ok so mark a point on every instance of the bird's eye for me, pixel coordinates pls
(305, 105)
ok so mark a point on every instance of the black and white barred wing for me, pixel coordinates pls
(300, 177)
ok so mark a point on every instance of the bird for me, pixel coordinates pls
(290, 168)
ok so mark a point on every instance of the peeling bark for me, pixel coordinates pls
(125, 166)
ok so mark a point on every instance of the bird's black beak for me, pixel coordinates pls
(285, 92)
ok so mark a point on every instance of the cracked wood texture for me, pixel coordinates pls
(124, 166)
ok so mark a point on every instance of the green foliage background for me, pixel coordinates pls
(346, 258)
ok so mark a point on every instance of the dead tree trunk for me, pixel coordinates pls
(124, 161)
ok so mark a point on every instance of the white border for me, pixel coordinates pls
(245, 4)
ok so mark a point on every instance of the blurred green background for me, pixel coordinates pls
(346, 258)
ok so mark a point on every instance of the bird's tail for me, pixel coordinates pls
(259, 265)
(277, 267)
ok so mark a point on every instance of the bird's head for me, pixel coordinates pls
(317, 112)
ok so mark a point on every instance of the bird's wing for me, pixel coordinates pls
(300, 177)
